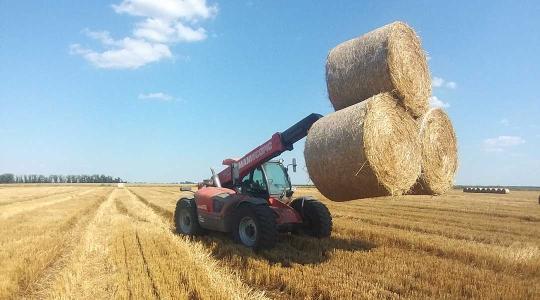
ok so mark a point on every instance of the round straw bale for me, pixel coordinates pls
(365, 150)
(387, 59)
(439, 153)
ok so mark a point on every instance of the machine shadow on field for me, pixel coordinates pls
(290, 249)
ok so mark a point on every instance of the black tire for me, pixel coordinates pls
(316, 217)
(255, 226)
(185, 217)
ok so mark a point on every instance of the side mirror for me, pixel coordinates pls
(294, 165)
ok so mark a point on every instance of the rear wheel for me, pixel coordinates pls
(185, 217)
(255, 226)
(316, 218)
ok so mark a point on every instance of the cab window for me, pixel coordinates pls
(258, 179)
(254, 183)
(277, 178)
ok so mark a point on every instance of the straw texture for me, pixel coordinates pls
(439, 153)
(388, 59)
(365, 150)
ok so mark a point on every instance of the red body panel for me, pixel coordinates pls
(286, 214)
(204, 197)
(248, 162)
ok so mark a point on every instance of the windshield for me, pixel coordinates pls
(277, 178)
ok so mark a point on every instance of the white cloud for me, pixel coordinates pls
(103, 36)
(127, 53)
(188, 34)
(451, 84)
(162, 31)
(156, 96)
(156, 30)
(434, 101)
(167, 9)
(500, 143)
(437, 82)
(166, 22)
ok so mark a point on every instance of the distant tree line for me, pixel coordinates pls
(33, 178)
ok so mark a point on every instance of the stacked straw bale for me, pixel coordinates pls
(365, 150)
(439, 153)
(387, 59)
(382, 134)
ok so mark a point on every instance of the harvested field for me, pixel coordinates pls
(105, 242)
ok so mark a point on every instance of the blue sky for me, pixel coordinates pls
(160, 92)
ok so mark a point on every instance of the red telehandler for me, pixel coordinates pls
(252, 197)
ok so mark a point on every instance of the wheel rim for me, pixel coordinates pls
(247, 231)
(185, 221)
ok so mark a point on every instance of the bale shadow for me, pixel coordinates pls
(290, 249)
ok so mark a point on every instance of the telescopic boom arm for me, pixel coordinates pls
(279, 143)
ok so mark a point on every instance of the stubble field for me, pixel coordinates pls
(101, 242)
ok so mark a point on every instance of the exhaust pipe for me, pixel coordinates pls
(215, 178)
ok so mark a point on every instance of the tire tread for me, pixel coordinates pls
(189, 204)
(319, 214)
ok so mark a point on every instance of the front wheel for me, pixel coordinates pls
(185, 217)
(255, 226)
(316, 218)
